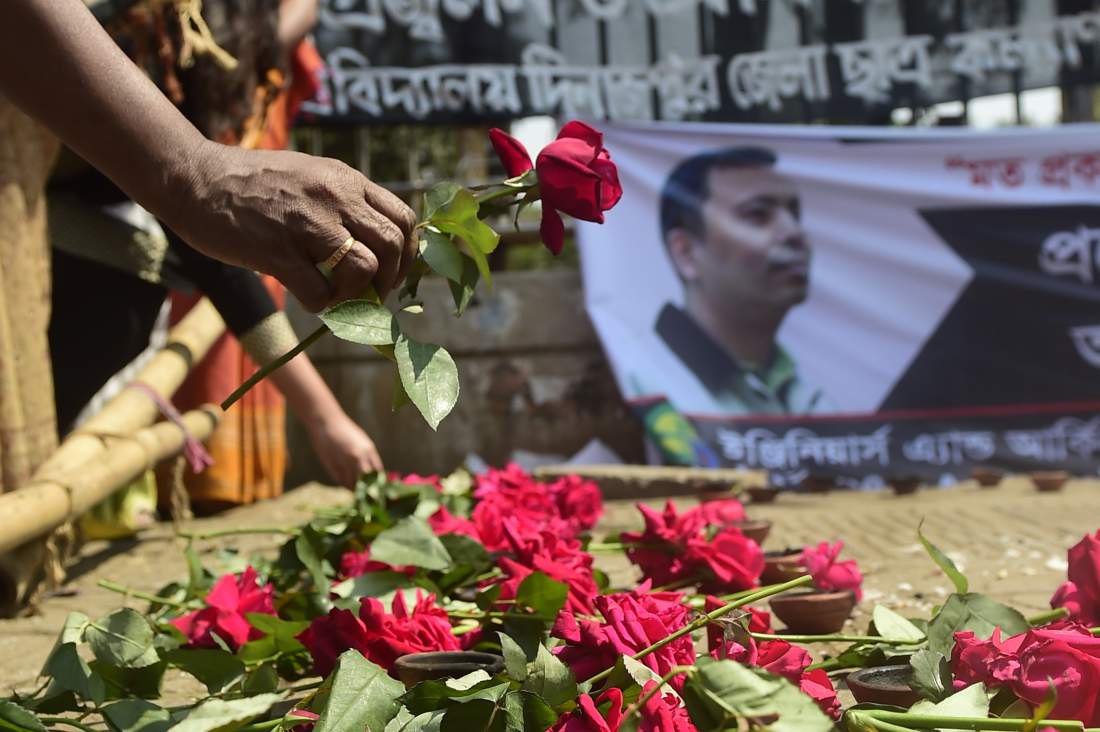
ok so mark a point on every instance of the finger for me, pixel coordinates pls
(390, 206)
(374, 459)
(306, 283)
(353, 274)
(408, 255)
(384, 239)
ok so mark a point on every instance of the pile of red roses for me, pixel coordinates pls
(698, 546)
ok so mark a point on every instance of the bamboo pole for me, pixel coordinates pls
(131, 409)
(46, 503)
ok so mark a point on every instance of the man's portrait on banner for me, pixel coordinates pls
(731, 225)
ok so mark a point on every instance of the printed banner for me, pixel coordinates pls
(855, 302)
(709, 60)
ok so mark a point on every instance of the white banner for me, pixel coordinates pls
(887, 292)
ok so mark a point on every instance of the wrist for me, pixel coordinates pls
(187, 176)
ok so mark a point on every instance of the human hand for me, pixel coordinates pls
(344, 449)
(284, 212)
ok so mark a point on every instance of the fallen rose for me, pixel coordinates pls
(719, 513)
(227, 603)
(575, 174)
(729, 562)
(632, 621)
(380, 636)
(829, 574)
(664, 713)
(1066, 656)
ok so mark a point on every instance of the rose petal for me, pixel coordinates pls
(552, 230)
(513, 155)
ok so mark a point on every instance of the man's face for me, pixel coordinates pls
(753, 251)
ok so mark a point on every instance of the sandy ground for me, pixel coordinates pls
(1011, 541)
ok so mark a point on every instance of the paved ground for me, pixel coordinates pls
(1011, 541)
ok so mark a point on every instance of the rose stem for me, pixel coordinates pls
(138, 594)
(266, 369)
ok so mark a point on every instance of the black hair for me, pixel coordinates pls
(687, 186)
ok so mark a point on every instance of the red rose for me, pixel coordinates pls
(730, 561)
(658, 549)
(579, 501)
(819, 686)
(380, 636)
(1069, 658)
(560, 559)
(576, 177)
(330, 635)
(1081, 593)
(445, 522)
(227, 602)
(1066, 655)
(587, 717)
(633, 621)
(829, 574)
(664, 713)
(719, 513)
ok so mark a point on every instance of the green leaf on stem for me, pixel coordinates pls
(551, 679)
(889, 624)
(72, 633)
(433, 695)
(469, 557)
(362, 321)
(215, 668)
(218, 714)
(71, 672)
(478, 715)
(721, 693)
(481, 262)
(524, 180)
(284, 632)
(438, 197)
(410, 542)
(442, 255)
(526, 711)
(543, 595)
(309, 547)
(137, 715)
(515, 660)
(122, 638)
(417, 271)
(124, 683)
(362, 696)
(406, 721)
(931, 675)
(430, 378)
(264, 679)
(973, 701)
(462, 292)
(17, 719)
(458, 217)
(944, 563)
(973, 612)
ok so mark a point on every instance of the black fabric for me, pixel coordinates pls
(690, 343)
(101, 320)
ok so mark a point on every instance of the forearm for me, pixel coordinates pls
(296, 20)
(59, 66)
(306, 393)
